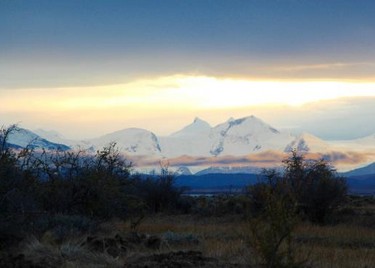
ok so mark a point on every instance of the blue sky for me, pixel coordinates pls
(55, 44)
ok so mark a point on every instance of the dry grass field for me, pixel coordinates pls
(228, 239)
(193, 240)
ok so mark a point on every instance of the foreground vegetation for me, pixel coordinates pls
(228, 238)
(225, 238)
(76, 209)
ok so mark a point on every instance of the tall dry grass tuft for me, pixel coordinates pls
(337, 246)
(69, 254)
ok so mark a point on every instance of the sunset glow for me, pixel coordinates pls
(173, 95)
(73, 66)
(179, 92)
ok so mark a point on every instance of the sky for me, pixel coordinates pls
(89, 67)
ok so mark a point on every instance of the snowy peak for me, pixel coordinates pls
(134, 141)
(234, 137)
(198, 120)
(307, 142)
(245, 125)
(254, 124)
(183, 171)
(198, 127)
(192, 140)
(246, 135)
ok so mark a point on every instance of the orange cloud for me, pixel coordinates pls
(268, 159)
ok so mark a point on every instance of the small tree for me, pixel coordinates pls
(100, 189)
(15, 188)
(17, 192)
(315, 185)
(78, 183)
(274, 209)
(308, 188)
(312, 184)
(8, 160)
(159, 191)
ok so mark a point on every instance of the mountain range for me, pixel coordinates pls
(236, 145)
(22, 138)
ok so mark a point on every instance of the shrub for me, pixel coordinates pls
(62, 226)
(94, 186)
(275, 211)
(272, 229)
(313, 184)
(17, 193)
(159, 191)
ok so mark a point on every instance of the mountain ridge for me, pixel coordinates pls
(205, 145)
(22, 138)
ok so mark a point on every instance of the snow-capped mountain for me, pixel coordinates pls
(230, 170)
(199, 127)
(245, 136)
(199, 146)
(23, 138)
(51, 135)
(308, 143)
(132, 141)
(234, 137)
(192, 140)
(56, 137)
(183, 171)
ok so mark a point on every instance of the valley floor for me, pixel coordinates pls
(227, 239)
(198, 241)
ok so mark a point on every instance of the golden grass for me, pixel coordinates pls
(227, 238)
(337, 246)
(69, 254)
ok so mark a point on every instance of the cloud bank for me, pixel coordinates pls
(269, 159)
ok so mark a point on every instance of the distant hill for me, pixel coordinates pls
(219, 182)
(367, 170)
(216, 182)
(364, 184)
(361, 180)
